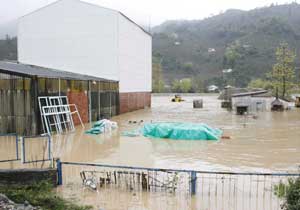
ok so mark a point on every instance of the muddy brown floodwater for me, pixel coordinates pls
(268, 142)
(271, 142)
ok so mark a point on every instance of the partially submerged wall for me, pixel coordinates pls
(134, 100)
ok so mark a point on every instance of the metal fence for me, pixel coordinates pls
(36, 149)
(32, 148)
(187, 189)
(9, 147)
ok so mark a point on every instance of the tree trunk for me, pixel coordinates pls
(283, 87)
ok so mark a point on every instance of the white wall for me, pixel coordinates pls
(73, 36)
(80, 37)
(135, 57)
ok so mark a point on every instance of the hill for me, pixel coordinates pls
(8, 28)
(244, 41)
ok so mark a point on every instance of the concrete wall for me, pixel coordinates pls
(73, 36)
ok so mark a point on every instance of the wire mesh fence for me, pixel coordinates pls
(173, 189)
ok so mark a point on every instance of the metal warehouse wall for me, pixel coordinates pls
(19, 111)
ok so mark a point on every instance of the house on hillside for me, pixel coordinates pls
(98, 57)
(213, 89)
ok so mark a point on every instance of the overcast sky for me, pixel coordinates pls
(145, 11)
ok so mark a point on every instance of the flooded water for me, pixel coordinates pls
(271, 142)
(267, 143)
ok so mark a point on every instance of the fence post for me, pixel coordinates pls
(17, 146)
(193, 182)
(59, 172)
(49, 147)
(22, 149)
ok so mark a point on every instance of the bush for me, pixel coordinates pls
(41, 195)
(292, 195)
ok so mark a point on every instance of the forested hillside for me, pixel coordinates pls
(244, 41)
(8, 48)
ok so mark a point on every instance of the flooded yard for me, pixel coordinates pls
(268, 142)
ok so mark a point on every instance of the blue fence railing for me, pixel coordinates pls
(200, 189)
(42, 151)
(13, 139)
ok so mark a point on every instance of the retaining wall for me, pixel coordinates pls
(27, 176)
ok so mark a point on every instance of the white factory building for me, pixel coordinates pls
(79, 37)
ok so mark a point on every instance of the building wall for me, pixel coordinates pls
(73, 36)
(132, 101)
(80, 37)
(135, 58)
(254, 103)
(82, 104)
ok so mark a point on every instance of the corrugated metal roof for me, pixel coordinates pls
(32, 70)
(253, 93)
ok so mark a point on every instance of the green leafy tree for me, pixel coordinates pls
(290, 192)
(176, 87)
(158, 84)
(198, 85)
(283, 71)
(231, 55)
(186, 85)
(260, 83)
(182, 86)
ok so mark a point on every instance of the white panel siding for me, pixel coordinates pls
(83, 38)
(135, 62)
(73, 36)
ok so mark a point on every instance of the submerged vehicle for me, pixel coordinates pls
(177, 98)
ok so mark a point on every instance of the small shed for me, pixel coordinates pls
(277, 105)
(252, 101)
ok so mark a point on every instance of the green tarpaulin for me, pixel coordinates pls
(184, 131)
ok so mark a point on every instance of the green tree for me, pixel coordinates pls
(231, 55)
(290, 192)
(198, 85)
(283, 71)
(260, 83)
(186, 85)
(182, 86)
(176, 87)
(158, 85)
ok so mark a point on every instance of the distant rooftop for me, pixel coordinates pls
(252, 93)
(32, 70)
